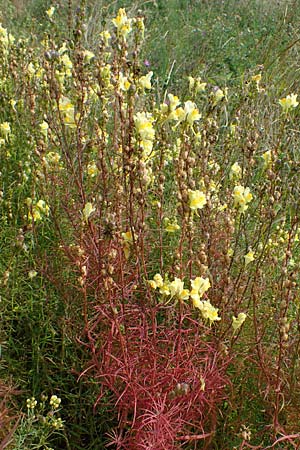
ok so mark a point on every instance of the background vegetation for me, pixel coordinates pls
(62, 327)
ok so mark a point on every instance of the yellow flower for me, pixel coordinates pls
(152, 284)
(5, 129)
(127, 243)
(189, 113)
(289, 102)
(171, 106)
(199, 287)
(68, 110)
(238, 321)
(197, 199)
(171, 226)
(124, 84)
(158, 280)
(122, 23)
(208, 311)
(88, 210)
(92, 169)
(249, 257)
(44, 128)
(235, 171)
(105, 36)
(145, 81)
(88, 56)
(164, 289)
(52, 158)
(143, 124)
(267, 157)
(242, 196)
(40, 209)
(50, 12)
(196, 85)
(219, 95)
(256, 78)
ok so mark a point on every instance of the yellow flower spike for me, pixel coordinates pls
(289, 102)
(197, 199)
(88, 211)
(122, 23)
(249, 257)
(242, 196)
(238, 321)
(267, 157)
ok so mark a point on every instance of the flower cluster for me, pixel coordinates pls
(144, 125)
(175, 289)
(37, 210)
(242, 196)
(288, 102)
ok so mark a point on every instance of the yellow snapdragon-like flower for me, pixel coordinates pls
(37, 210)
(88, 56)
(196, 85)
(50, 12)
(170, 106)
(238, 321)
(92, 169)
(235, 171)
(68, 110)
(145, 81)
(5, 129)
(267, 157)
(143, 123)
(189, 113)
(289, 102)
(174, 288)
(124, 84)
(122, 23)
(208, 311)
(88, 210)
(249, 257)
(199, 286)
(171, 225)
(242, 196)
(197, 199)
(127, 238)
(218, 95)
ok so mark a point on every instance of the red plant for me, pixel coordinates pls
(164, 371)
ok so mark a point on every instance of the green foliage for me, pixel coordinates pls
(57, 258)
